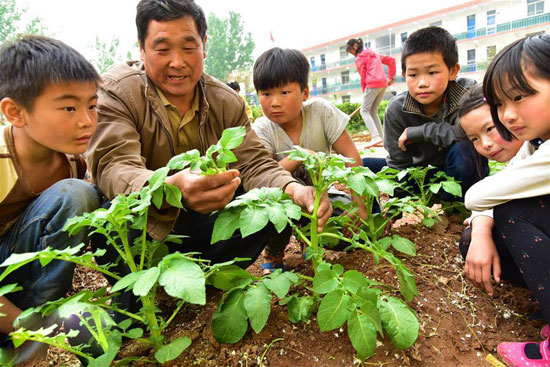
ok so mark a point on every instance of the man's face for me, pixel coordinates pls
(173, 54)
(427, 77)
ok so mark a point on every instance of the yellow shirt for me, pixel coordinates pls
(186, 128)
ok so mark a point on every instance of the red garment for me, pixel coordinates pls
(369, 66)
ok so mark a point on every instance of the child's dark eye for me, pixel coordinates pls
(411, 75)
(473, 140)
(93, 107)
(69, 109)
(490, 128)
(518, 98)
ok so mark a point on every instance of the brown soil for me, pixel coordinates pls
(459, 324)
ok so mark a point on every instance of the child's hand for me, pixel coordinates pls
(390, 82)
(403, 141)
(482, 261)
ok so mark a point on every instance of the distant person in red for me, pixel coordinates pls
(373, 82)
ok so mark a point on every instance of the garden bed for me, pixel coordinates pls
(460, 325)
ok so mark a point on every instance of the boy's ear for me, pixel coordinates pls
(454, 72)
(305, 94)
(13, 112)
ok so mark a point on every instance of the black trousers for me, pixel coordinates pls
(522, 237)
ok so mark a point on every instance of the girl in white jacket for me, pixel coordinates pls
(517, 89)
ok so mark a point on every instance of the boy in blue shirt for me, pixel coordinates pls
(421, 125)
(48, 94)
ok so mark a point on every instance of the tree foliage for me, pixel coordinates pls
(11, 23)
(108, 54)
(228, 48)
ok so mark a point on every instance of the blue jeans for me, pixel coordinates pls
(40, 226)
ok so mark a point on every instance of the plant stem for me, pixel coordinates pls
(143, 243)
(165, 324)
(314, 230)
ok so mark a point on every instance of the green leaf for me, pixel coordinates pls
(403, 245)
(257, 303)
(228, 276)
(232, 137)
(300, 308)
(357, 183)
(407, 283)
(182, 160)
(146, 281)
(126, 282)
(183, 279)
(173, 196)
(173, 350)
(353, 280)
(230, 323)
(452, 188)
(398, 321)
(362, 334)
(325, 281)
(435, 187)
(225, 157)
(334, 310)
(225, 225)
(293, 211)
(9, 289)
(134, 333)
(253, 219)
(278, 284)
(277, 216)
(158, 177)
(368, 307)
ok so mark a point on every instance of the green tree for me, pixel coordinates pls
(228, 48)
(107, 54)
(11, 23)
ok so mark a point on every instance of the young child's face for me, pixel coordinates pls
(427, 77)
(527, 117)
(480, 129)
(63, 117)
(283, 105)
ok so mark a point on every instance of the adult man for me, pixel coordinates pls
(150, 111)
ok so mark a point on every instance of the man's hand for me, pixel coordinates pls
(482, 258)
(402, 142)
(304, 196)
(205, 193)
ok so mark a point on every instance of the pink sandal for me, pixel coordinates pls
(513, 353)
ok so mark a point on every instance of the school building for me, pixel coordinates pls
(481, 28)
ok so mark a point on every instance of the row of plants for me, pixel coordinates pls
(336, 296)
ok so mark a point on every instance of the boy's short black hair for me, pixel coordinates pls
(166, 10)
(431, 40)
(234, 85)
(277, 67)
(30, 63)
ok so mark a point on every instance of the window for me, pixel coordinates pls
(343, 52)
(436, 24)
(312, 63)
(403, 37)
(471, 23)
(367, 44)
(491, 21)
(345, 77)
(323, 64)
(535, 7)
(324, 87)
(346, 99)
(471, 60)
(491, 52)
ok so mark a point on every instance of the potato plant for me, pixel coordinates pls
(182, 276)
(340, 297)
(422, 190)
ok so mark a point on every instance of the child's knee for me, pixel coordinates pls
(80, 195)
